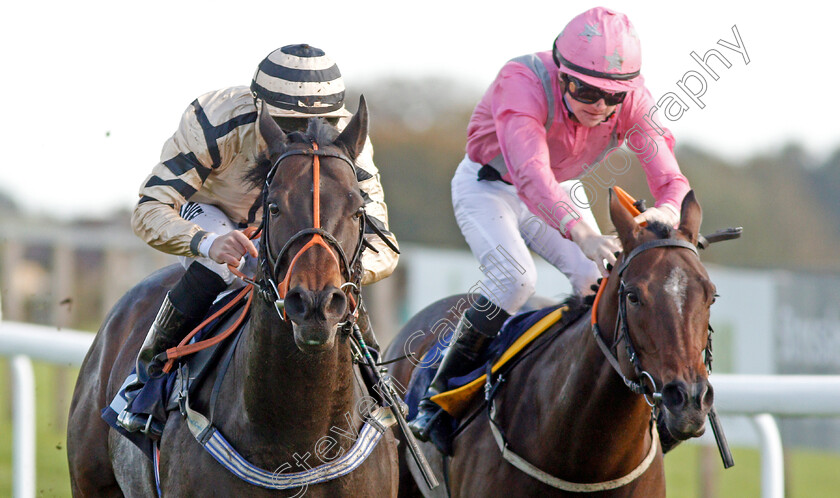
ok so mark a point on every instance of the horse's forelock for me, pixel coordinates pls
(318, 130)
(661, 230)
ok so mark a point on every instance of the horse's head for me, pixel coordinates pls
(664, 295)
(313, 209)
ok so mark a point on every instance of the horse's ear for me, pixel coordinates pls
(271, 132)
(623, 221)
(354, 135)
(691, 216)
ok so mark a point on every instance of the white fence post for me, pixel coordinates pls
(772, 457)
(23, 423)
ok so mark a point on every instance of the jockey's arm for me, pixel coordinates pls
(376, 265)
(173, 180)
(185, 164)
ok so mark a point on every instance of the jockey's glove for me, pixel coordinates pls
(665, 213)
(599, 248)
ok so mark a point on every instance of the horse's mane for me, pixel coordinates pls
(578, 305)
(318, 130)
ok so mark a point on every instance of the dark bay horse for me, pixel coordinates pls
(291, 387)
(564, 408)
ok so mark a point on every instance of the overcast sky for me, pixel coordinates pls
(92, 89)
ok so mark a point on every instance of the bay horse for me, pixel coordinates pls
(565, 407)
(290, 383)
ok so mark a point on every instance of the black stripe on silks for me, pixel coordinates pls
(214, 133)
(181, 186)
(302, 50)
(299, 75)
(182, 163)
(230, 125)
(372, 220)
(362, 175)
(365, 197)
(146, 198)
(328, 103)
(209, 136)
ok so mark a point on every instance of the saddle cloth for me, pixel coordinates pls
(517, 332)
(159, 395)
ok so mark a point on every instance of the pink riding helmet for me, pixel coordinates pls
(600, 47)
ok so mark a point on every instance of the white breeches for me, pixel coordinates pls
(500, 229)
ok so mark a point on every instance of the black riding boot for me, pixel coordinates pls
(168, 329)
(460, 358)
(182, 309)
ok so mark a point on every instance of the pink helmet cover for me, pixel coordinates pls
(601, 47)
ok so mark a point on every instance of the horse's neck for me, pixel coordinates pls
(582, 391)
(284, 387)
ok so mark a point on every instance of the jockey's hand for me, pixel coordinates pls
(665, 213)
(599, 248)
(230, 247)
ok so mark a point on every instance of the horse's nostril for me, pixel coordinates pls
(674, 395)
(297, 302)
(335, 303)
(708, 397)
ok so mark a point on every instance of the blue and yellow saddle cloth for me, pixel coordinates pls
(517, 333)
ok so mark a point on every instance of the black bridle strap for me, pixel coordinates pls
(270, 263)
(621, 319)
(653, 244)
(273, 261)
(634, 386)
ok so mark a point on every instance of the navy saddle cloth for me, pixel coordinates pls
(156, 397)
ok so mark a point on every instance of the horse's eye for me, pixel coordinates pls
(714, 298)
(273, 209)
(633, 298)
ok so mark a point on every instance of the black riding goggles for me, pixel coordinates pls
(588, 94)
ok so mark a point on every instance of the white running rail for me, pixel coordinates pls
(757, 396)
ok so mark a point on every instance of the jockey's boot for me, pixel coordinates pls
(460, 358)
(182, 309)
(167, 331)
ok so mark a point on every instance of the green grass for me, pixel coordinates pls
(52, 475)
(810, 474)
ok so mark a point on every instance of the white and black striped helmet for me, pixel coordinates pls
(300, 81)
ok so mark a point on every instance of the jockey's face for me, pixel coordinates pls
(590, 115)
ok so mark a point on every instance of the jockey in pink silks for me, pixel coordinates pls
(547, 121)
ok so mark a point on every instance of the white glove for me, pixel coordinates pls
(665, 213)
(599, 248)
